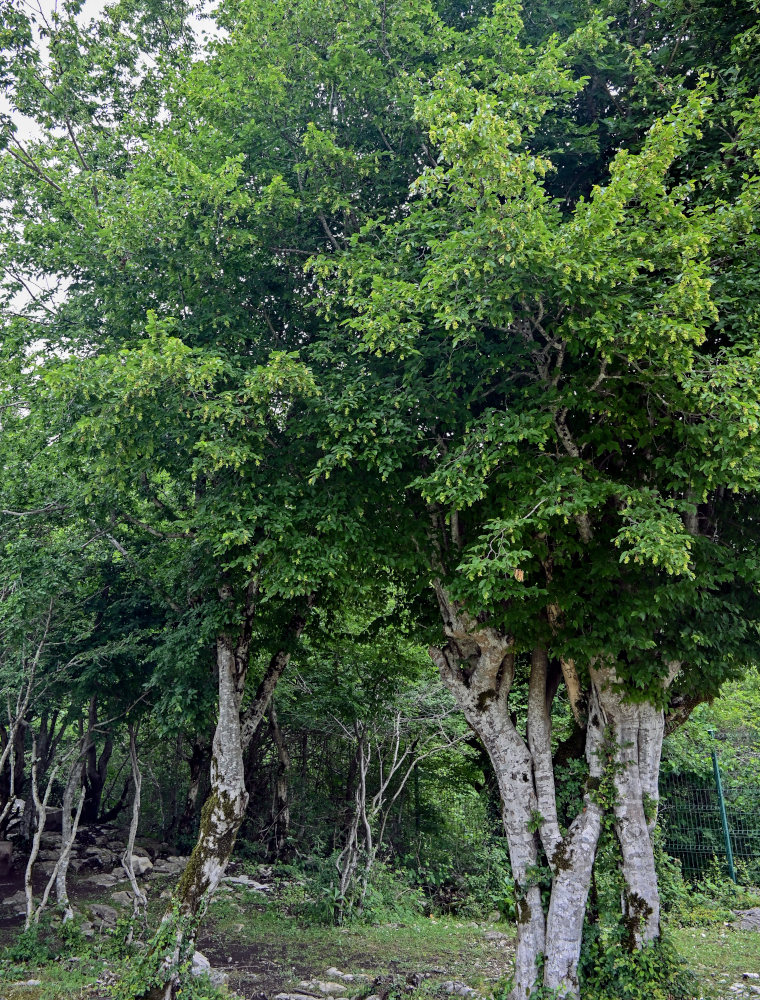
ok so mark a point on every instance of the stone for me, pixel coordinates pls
(345, 977)
(458, 989)
(100, 856)
(101, 879)
(201, 966)
(105, 915)
(141, 864)
(122, 898)
(18, 899)
(496, 936)
(751, 975)
(248, 882)
(168, 866)
(748, 920)
(325, 988)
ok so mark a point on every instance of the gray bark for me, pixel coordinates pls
(224, 809)
(40, 806)
(68, 836)
(139, 899)
(477, 665)
(539, 734)
(573, 863)
(637, 729)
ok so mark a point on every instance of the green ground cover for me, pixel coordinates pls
(265, 953)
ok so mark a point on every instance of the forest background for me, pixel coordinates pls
(380, 406)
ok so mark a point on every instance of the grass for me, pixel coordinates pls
(718, 955)
(274, 952)
(271, 952)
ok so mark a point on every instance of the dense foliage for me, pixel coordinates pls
(353, 329)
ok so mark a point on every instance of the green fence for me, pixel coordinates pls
(705, 821)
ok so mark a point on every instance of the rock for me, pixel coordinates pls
(122, 898)
(141, 864)
(102, 879)
(105, 915)
(458, 989)
(201, 966)
(140, 852)
(496, 936)
(301, 996)
(200, 963)
(169, 866)
(17, 900)
(751, 975)
(248, 882)
(100, 856)
(748, 920)
(325, 988)
(87, 929)
(345, 977)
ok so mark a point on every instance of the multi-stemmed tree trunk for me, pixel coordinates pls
(622, 750)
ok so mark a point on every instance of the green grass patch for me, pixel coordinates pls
(718, 956)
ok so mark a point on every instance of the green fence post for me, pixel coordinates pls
(723, 816)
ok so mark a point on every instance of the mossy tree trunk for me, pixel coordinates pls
(477, 664)
(224, 809)
(636, 730)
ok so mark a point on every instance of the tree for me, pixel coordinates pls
(580, 433)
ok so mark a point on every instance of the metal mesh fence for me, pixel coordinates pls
(701, 832)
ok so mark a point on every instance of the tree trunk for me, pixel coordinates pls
(96, 768)
(139, 898)
(637, 729)
(278, 844)
(68, 835)
(572, 864)
(477, 665)
(199, 762)
(224, 809)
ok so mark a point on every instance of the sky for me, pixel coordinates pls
(91, 9)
